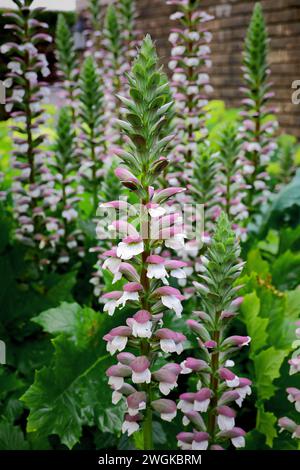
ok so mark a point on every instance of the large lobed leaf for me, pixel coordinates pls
(72, 391)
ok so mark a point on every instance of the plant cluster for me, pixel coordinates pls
(147, 327)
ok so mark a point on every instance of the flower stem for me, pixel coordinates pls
(214, 384)
(148, 423)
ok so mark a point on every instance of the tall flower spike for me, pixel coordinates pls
(94, 32)
(231, 183)
(63, 229)
(288, 424)
(258, 127)
(190, 81)
(113, 70)
(203, 185)
(127, 15)
(209, 409)
(67, 61)
(26, 65)
(135, 260)
(91, 115)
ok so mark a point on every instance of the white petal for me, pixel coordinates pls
(171, 302)
(165, 387)
(156, 271)
(167, 345)
(185, 406)
(238, 441)
(168, 416)
(116, 397)
(157, 212)
(110, 307)
(184, 369)
(233, 383)
(141, 330)
(141, 377)
(112, 264)
(229, 363)
(225, 423)
(116, 382)
(127, 296)
(199, 445)
(130, 427)
(128, 251)
(201, 405)
(184, 445)
(119, 342)
(178, 273)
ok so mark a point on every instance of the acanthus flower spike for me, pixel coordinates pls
(258, 128)
(136, 263)
(218, 387)
(32, 189)
(189, 63)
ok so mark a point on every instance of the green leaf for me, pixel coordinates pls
(62, 319)
(266, 423)
(270, 244)
(11, 437)
(285, 209)
(256, 326)
(286, 270)
(267, 368)
(73, 391)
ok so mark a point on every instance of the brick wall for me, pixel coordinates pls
(231, 20)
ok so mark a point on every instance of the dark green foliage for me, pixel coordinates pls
(91, 114)
(255, 54)
(230, 168)
(66, 55)
(221, 270)
(260, 125)
(65, 142)
(95, 10)
(112, 32)
(203, 183)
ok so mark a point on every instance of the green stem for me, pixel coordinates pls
(214, 384)
(94, 170)
(148, 424)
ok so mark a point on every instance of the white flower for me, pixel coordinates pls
(128, 296)
(127, 251)
(116, 382)
(141, 330)
(110, 306)
(157, 211)
(130, 427)
(238, 441)
(173, 303)
(173, 37)
(201, 405)
(118, 343)
(233, 383)
(116, 397)
(169, 346)
(203, 445)
(179, 50)
(141, 377)
(166, 387)
(225, 423)
(168, 416)
(185, 406)
(69, 214)
(156, 271)
(176, 243)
